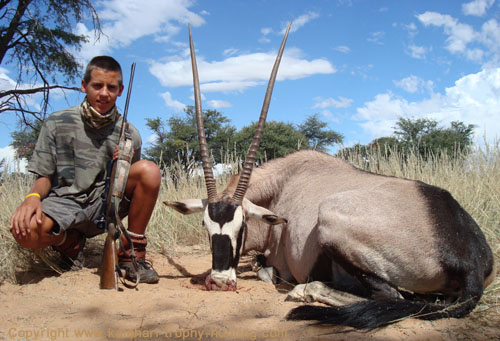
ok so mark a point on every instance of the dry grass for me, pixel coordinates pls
(473, 180)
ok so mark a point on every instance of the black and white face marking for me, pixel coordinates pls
(225, 222)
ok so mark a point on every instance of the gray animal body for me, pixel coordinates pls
(374, 235)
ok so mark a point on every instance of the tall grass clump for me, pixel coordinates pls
(13, 187)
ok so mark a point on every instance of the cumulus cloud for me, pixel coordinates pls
(236, 73)
(474, 99)
(300, 21)
(376, 38)
(323, 103)
(481, 46)
(459, 35)
(477, 7)
(12, 163)
(6, 83)
(124, 21)
(343, 49)
(297, 23)
(31, 101)
(266, 31)
(172, 103)
(417, 52)
(329, 116)
(414, 84)
(217, 104)
(230, 52)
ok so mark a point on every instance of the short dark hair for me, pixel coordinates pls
(103, 62)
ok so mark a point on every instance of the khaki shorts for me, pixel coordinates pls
(68, 214)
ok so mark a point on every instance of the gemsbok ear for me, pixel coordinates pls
(188, 206)
(258, 212)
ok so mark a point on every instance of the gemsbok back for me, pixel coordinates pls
(396, 244)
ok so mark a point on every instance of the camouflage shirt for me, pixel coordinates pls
(75, 155)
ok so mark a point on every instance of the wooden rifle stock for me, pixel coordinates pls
(109, 277)
(109, 263)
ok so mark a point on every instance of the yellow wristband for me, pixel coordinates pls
(32, 194)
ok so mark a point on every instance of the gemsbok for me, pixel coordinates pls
(403, 247)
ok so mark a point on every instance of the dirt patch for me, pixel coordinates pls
(72, 307)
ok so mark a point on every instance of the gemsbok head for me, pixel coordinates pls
(224, 215)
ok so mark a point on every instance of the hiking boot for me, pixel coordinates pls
(146, 272)
(69, 264)
(71, 251)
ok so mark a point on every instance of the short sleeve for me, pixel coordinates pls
(43, 161)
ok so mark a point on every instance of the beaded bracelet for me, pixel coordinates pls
(32, 194)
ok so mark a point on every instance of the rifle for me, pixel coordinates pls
(116, 180)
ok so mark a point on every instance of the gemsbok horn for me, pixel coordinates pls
(225, 216)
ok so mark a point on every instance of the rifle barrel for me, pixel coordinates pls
(129, 91)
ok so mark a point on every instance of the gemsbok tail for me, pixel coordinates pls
(375, 313)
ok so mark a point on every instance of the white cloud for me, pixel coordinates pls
(264, 40)
(297, 23)
(171, 103)
(376, 37)
(413, 84)
(343, 49)
(477, 7)
(417, 52)
(225, 86)
(217, 104)
(30, 101)
(230, 52)
(12, 163)
(152, 139)
(237, 73)
(301, 21)
(459, 35)
(486, 41)
(342, 102)
(266, 31)
(474, 99)
(124, 21)
(411, 27)
(329, 116)
(6, 83)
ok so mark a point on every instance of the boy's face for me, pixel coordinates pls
(103, 89)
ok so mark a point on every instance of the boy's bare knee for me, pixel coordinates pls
(28, 242)
(150, 173)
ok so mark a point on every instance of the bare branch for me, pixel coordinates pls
(36, 90)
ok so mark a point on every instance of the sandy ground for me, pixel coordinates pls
(72, 307)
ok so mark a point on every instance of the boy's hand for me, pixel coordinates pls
(20, 220)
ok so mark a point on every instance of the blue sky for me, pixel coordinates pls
(359, 64)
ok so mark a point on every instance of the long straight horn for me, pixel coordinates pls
(254, 146)
(205, 157)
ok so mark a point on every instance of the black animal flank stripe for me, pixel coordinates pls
(464, 240)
